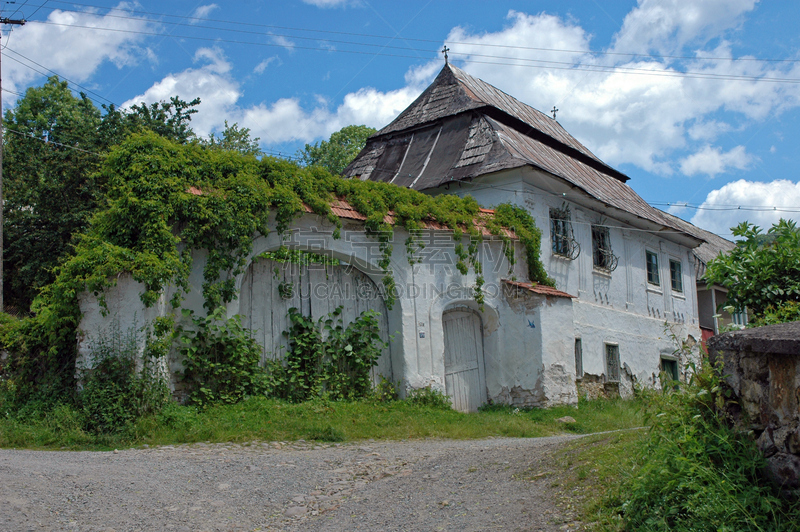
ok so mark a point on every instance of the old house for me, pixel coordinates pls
(625, 272)
(631, 267)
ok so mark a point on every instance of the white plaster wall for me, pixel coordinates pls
(618, 307)
(514, 351)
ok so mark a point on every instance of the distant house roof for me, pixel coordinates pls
(461, 128)
(711, 248)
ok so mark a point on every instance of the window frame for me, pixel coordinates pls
(673, 278)
(603, 258)
(613, 371)
(656, 273)
(578, 358)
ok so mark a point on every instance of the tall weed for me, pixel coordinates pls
(698, 472)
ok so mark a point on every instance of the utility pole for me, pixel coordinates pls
(21, 22)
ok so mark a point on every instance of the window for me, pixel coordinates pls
(652, 268)
(676, 275)
(670, 368)
(669, 372)
(612, 363)
(578, 358)
(562, 241)
(739, 318)
(602, 256)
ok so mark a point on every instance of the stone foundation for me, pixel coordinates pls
(762, 367)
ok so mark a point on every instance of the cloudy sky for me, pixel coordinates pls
(698, 104)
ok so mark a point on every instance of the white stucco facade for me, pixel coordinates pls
(525, 335)
(619, 308)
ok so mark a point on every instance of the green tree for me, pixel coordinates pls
(337, 152)
(235, 138)
(50, 157)
(53, 148)
(760, 273)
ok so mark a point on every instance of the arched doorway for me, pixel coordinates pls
(270, 288)
(464, 373)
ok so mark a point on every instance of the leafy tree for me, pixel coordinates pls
(51, 155)
(169, 119)
(235, 138)
(55, 144)
(760, 273)
(337, 152)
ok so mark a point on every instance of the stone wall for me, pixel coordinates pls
(762, 366)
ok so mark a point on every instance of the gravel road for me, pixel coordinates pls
(408, 485)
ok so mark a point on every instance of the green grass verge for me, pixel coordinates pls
(273, 420)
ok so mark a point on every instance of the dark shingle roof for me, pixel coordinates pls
(461, 128)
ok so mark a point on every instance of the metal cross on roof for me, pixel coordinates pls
(444, 51)
(554, 111)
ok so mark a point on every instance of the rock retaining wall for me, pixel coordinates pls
(762, 366)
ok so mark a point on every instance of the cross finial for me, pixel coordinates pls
(444, 51)
(554, 111)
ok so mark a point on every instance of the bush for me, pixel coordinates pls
(115, 392)
(430, 398)
(326, 358)
(221, 360)
(778, 313)
(698, 472)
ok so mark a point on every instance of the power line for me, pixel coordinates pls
(528, 63)
(37, 9)
(52, 142)
(375, 36)
(17, 10)
(55, 73)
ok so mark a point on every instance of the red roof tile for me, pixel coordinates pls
(538, 289)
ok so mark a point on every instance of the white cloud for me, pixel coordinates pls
(204, 11)
(211, 82)
(720, 211)
(331, 3)
(262, 66)
(74, 53)
(285, 120)
(624, 116)
(280, 40)
(666, 26)
(712, 161)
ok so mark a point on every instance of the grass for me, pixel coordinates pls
(264, 419)
(589, 474)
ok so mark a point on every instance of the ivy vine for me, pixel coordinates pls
(167, 199)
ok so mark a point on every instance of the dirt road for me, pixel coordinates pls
(407, 485)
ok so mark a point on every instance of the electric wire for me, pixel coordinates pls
(89, 91)
(375, 36)
(18, 8)
(51, 142)
(528, 63)
(37, 9)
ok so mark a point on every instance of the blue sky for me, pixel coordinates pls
(698, 104)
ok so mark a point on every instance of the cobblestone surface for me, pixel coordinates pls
(407, 485)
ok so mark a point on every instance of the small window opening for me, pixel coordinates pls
(562, 241)
(578, 358)
(612, 363)
(676, 275)
(603, 258)
(652, 268)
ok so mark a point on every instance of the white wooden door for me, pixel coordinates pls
(315, 292)
(464, 377)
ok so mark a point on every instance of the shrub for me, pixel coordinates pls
(220, 359)
(429, 397)
(698, 472)
(115, 391)
(326, 358)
